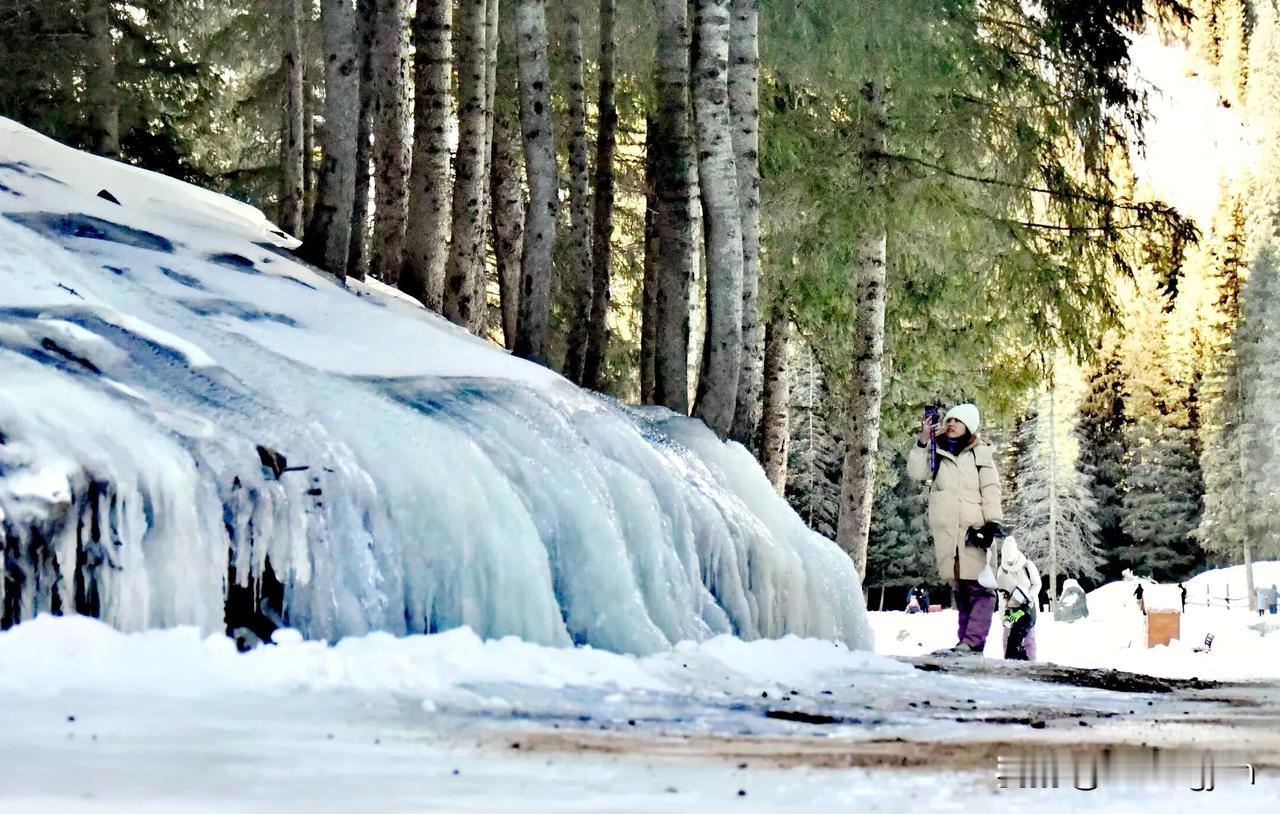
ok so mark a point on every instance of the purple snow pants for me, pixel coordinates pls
(976, 605)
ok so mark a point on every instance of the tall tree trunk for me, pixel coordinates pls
(466, 253)
(648, 292)
(104, 108)
(492, 36)
(774, 434)
(673, 224)
(722, 225)
(358, 256)
(329, 232)
(308, 144)
(744, 110)
(579, 248)
(390, 138)
(602, 218)
(543, 178)
(866, 391)
(290, 215)
(506, 209)
(427, 242)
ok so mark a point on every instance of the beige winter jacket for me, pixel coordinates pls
(964, 494)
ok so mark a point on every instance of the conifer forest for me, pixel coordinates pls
(800, 221)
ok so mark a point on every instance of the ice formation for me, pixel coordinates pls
(195, 428)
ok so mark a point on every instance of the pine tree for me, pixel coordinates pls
(899, 551)
(813, 465)
(1102, 428)
(1163, 483)
(1054, 510)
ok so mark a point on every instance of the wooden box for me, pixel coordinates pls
(1163, 626)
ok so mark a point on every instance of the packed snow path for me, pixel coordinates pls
(194, 424)
(106, 723)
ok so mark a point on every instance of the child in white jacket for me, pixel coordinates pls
(1018, 587)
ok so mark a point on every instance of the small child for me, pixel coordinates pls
(1017, 586)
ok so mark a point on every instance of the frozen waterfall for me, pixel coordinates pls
(197, 429)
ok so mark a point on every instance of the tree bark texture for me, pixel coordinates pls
(602, 200)
(291, 135)
(673, 224)
(466, 252)
(309, 172)
(390, 137)
(479, 320)
(543, 178)
(744, 111)
(722, 225)
(506, 210)
(104, 107)
(427, 238)
(358, 255)
(775, 415)
(648, 292)
(578, 277)
(862, 430)
(329, 231)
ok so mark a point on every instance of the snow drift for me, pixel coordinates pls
(197, 429)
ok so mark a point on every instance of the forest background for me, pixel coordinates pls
(799, 221)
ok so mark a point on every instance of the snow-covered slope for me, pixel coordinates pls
(165, 364)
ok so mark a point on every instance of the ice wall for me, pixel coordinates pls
(196, 428)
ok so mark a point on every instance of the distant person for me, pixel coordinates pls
(1273, 599)
(1137, 594)
(913, 601)
(964, 516)
(1018, 586)
(1183, 588)
(924, 600)
(1262, 600)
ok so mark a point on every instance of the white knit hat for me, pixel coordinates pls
(966, 414)
(1010, 557)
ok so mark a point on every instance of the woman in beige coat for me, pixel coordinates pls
(964, 494)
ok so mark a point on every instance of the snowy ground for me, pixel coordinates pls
(94, 720)
(1245, 646)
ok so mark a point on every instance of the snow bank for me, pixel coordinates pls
(184, 662)
(193, 423)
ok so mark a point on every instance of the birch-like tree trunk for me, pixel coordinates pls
(492, 37)
(862, 419)
(291, 192)
(722, 224)
(776, 412)
(648, 292)
(390, 138)
(427, 239)
(329, 231)
(358, 256)
(506, 195)
(104, 107)
(543, 177)
(579, 276)
(466, 252)
(602, 215)
(744, 110)
(674, 156)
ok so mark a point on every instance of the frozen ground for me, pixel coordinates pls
(1245, 646)
(94, 720)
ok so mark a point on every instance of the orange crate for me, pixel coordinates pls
(1163, 627)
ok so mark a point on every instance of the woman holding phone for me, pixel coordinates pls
(964, 515)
